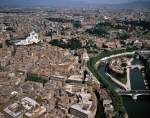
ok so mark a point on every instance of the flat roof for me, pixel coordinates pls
(102, 91)
(78, 107)
(75, 77)
(11, 113)
(31, 101)
(88, 95)
(58, 76)
(27, 104)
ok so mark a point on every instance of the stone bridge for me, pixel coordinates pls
(135, 66)
(134, 93)
(141, 55)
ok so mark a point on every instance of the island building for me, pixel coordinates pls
(33, 38)
(118, 66)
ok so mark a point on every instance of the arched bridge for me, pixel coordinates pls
(143, 57)
(135, 66)
(134, 93)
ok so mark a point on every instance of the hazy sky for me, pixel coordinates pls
(60, 2)
(109, 1)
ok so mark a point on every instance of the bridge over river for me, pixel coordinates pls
(135, 66)
(134, 93)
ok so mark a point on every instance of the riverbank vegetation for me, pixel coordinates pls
(122, 79)
(148, 69)
(117, 100)
(100, 108)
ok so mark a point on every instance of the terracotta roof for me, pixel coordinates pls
(102, 91)
(35, 108)
(111, 112)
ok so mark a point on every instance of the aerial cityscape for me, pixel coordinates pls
(74, 59)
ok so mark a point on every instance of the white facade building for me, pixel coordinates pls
(25, 108)
(85, 57)
(33, 38)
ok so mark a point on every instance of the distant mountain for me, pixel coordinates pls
(15, 3)
(139, 4)
(136, 4)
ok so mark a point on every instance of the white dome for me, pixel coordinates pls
(85, 57)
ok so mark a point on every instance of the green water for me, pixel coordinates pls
(135, 109)
(139, 108)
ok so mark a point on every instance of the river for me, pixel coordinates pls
(135, 109)
(136, 77)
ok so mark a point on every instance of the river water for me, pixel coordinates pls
(136, 77)
(135, 109)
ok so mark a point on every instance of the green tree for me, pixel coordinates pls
(9, 29)
(73, 44)
(36, 79)
(116, 99)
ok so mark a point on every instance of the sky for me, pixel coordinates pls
(109, 1)
(60, 2)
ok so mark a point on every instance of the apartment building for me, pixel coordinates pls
(25, 108)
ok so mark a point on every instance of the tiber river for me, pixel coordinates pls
(135, 109)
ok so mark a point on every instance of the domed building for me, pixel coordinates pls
(85, 57)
